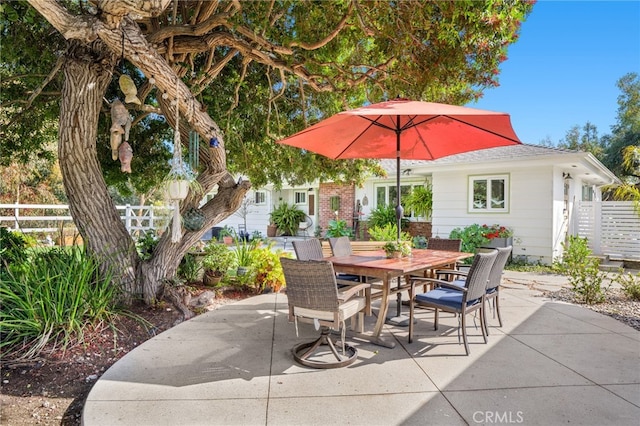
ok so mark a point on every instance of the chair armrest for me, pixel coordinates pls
(452, 272)
(437, 282)
(351, 290)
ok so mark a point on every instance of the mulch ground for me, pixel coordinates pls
(52, 389)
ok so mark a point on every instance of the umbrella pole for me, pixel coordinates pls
(399, 319)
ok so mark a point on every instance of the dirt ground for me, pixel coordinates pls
(52, 390)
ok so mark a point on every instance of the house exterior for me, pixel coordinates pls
(529, 188)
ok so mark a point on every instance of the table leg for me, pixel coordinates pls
(382, 314)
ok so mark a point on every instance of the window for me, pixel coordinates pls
(386, 194)
(300, 197)
(260, 197)
(489, 193)
(587, 193)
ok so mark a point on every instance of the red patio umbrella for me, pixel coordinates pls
(411, 130)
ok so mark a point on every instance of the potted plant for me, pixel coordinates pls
(244, 255)
(397, 249)
(217, 261)
(226, 235)
(272, 230)
(287, 218)
(498, 236)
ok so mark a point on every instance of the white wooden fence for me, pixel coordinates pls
(612, 228)
(54, 218)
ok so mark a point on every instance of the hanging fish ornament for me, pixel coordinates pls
(125, 153)
(129, 89)
(120, 125)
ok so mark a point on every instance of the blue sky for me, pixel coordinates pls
(563, 69)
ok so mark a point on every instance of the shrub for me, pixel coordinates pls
(60, 293)
(630, 284)
(582, 270)
(189, 268)
(388, 232)
(146, 244)
(14, 248)
(338, 228)
(268, 271)
(472, 236)
(383, 215)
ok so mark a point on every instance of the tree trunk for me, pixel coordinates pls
(87, 73)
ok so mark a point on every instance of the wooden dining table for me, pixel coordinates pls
(376, 265)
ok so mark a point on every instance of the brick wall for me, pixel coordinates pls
(420, 228)
(347, 194)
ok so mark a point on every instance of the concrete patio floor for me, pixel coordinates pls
(551, 363)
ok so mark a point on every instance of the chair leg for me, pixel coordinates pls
(483, 323)
(483, 319)
(464, 332)
(411, 312)
(435, 319)
(496, 307)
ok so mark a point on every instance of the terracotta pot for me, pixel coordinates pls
(272, 230)
(211, 280)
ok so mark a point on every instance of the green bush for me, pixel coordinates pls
(52, 301)
(14, 248)
(146, 244)
(338, 228)
(267, 269)
(382, 215)
(189, 268)
(388, 232)
(472, 238)
(630, 284)
(582, 270)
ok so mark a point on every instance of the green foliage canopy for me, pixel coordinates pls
(265, 70)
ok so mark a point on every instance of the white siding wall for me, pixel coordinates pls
(257, 217)
(530, 209)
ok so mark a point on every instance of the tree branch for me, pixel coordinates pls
(71, 27)
(46, 81)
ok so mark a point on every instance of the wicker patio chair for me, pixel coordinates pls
(459, 300)
(314, 298)
(447, 244)
(341, 246)
(308, 249)
(493, 283)
(495, 279)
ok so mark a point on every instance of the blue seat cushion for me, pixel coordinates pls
(444, 297)
(348, 277)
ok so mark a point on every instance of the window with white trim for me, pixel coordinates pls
(260, 198)
(300, 197)
(386, 194)
(489, 193)
(587, 193)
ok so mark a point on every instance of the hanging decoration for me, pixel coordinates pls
(125, 154)
(193, 219)
(194, 149)
(126, 83)
(129, 89)
(178, 187)
(120, 126)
